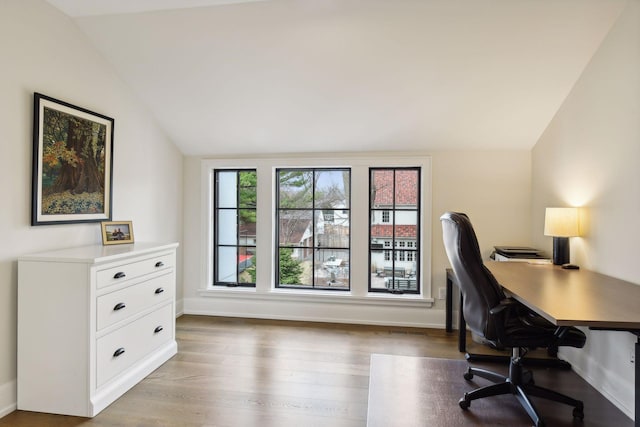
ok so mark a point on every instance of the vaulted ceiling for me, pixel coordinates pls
(238, 77)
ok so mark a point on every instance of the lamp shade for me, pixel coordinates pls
(561, 222)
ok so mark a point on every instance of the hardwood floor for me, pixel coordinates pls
(239, 372)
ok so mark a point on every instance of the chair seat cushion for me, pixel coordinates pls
(532, 331)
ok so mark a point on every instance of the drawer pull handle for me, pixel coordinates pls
(158, 329)
(119, 275)
(118, 352)
(119, 306)
(159, 264)
(159, 291)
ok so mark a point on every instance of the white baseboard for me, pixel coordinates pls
(8, 398)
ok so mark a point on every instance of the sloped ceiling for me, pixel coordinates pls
(249, 77)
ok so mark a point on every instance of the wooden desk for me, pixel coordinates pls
(575, 298)
(571, 297)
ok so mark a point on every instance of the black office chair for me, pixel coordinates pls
(502, 322)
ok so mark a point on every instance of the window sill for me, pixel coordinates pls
(320, 297)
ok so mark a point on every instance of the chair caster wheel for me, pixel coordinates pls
(468, 375)
(578, 413)
(464, 403)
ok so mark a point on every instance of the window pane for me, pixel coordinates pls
(406, 189)
(332, 268)
(247, 227)
(332, 189)
(296, 228)
(227, 227)
(291, 267)
(247, 194)
(247, 264)
(397, 283)
(226, 189)
(295, 189)
(227, 264)
(406, 227)
(381, 188)
(332, 234)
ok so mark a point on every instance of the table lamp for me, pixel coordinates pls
(561, 223)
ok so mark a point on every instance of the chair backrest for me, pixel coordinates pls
(479, 288)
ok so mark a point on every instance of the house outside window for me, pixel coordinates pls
(313, 219)
(394, 215)
(235, 228)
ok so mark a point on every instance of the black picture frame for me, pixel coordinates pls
(72, 178)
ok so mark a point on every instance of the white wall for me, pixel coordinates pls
(43, 51)
(589, 156)
(493, 187)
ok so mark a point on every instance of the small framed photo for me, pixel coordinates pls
(117, 232)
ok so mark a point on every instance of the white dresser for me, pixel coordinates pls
(92, 322)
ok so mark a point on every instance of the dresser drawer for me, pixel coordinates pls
(116, 306)
(121, 349)
(123, 272)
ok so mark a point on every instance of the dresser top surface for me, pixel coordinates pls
(94, 254)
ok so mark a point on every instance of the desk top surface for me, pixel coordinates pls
(571, 297)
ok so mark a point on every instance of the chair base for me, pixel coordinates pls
(529, 361)
(519, 383)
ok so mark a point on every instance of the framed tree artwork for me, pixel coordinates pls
(72, 163)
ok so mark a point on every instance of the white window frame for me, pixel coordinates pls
(265, 280)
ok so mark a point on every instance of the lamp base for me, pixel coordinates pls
(560, 250)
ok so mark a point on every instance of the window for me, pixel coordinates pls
(235, 228)
(313, 219)
(317, 230)
(394, 213)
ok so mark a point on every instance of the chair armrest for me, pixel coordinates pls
(504, 304)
